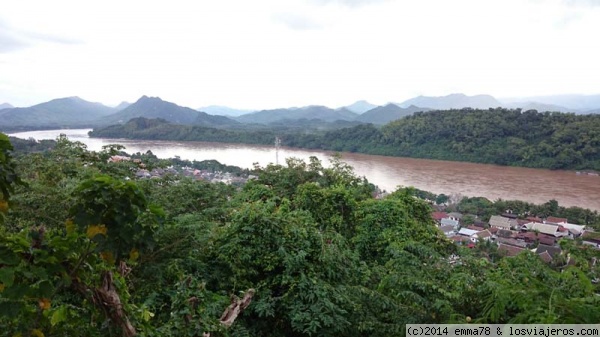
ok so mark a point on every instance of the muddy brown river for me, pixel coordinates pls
(467, 179)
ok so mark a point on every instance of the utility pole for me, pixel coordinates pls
(277, 145)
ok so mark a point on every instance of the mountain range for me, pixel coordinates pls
(385, 114)
(310, 112)
(224, 111)
(154, 107)
(5, 106)
(73, 112)
(61, 112)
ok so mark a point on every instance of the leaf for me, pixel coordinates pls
(70, 226)
(44, 303)
(59, 315)
(7, 276)
(134, 254)
(94, 230)
(37, 333)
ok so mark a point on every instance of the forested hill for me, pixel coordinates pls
(495, 136)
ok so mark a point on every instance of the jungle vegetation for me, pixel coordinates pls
(303, 250)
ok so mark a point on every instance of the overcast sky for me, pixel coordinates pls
(282, 53)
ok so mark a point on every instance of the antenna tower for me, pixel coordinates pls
(277, 145)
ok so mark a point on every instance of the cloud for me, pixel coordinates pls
(577, 3)
(296, 21)
(13, 39)
(351, 3)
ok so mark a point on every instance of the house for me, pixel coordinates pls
(544, 229)
(460, 239)
(505, 233)
(455, 216)
(509, 215)
(534, 219)
(527, 236)
(467, 232)
(511, 242)
(546, 240)
(555, 220)
(481, 236)
(546, 257)
(551, 250)
(438, 216)
(591, 238)
(448, 230)
(475, 228)
(449, 222)
(507, 250)
(499, 222)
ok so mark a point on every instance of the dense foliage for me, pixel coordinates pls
(496, 136)
(85, 249)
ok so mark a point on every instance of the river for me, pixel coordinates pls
(467, 179)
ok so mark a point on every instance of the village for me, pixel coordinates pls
(513, 235)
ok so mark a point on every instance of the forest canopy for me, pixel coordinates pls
(302, 250)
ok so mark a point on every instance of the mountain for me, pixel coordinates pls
(385, 114)
(154, 107)
(310, 112)
(453, 101)
(578, 103)
(360, 107)
(595, 111)
(122, 106)
(61, 112)
(224, 111)
(6, 106)
(540, 107)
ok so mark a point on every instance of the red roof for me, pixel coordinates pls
(471, 245)
(546, 257)
(555, 220)
(439, 215)
(534, 219)
(562, 229)
(509, 250)
(476, 228)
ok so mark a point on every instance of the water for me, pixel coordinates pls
(467, 179)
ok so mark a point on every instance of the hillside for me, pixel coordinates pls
(122, 106)
(579, 103)
(62, 112)
(453, 101)
(541, 107)
(224, 111)
(498, 136)
(360, 107)
(6, 106)
(154, 107)
(385, 114)
(309, 112)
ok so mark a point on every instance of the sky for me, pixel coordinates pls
(263, 54)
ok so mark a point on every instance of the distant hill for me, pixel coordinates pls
(541, 107)
(360, 107)
(224, 111)
(579, 103)
(122, 106)
(6, 106)
(595, 111)
(385, 114)
(310, 112)
(453, 101)
(61, 112)
(154, 107)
